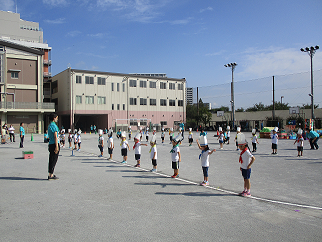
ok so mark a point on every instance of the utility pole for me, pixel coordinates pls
(273, 98)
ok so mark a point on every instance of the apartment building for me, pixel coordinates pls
(85, 98)
(189, 95)
(21, 87)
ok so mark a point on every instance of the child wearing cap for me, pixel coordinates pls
(246, 159)
(137, 149)
(175, 156)
(130, 132)
(75, 139)
(238, 131)
(70, 138)
(110, 144)
(154, 153)
(101, 142)
(300, 143)
(190, 137)
(254, 140)
(171, 134)
(162, 135)
(228, 134)
(125, 145)
(204, 157)
(221, 138)
(274, 141)
(62, 138)
(147, 134)
(79, 140)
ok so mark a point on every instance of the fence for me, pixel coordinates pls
(26, 105)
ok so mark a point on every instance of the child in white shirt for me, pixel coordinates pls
(125, 145)
(204, 157)
(137, 149)
(300, 143)
(79, 140)
(154, 154)
(110, 144)
(254, 141)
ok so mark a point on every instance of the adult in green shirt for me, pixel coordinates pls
(53, 146)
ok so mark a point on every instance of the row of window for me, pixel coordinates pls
(133, 101)
(133, 83)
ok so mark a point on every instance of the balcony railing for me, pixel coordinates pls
(47, 74)
(25, 105)
(47, 62)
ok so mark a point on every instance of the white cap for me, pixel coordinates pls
(178, 138)
(171, 129)
(75, 131)
(110, 132)
(154, 128)
(203, 140)
(254, 131)
(129, 127)
(190, 129)
(140, 128)
(79, 132)
(220, 129)
(137, 136)
(275, 129)
(123, 134)
(228, 127)
(69, 130)
(238, 129)
(154, 139)
(162, 129)
(100, 131)
(63, 130)
(241, 139)
(300, 131)
(147, 128)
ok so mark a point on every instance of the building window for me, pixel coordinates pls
(180, 86)
(133, 122)
(101, 100)
(132, 83)
(112, 106)
(132, 101)
(143, 122)
(123, 106)
(89, 100)
(78, 99)
(180, 103)
(79, 79)
(123, 87)
(118, 87)
(153, 102)
(100, 81)
(164, 123)
(163, 85)
(112, 86)
(143, 101)
(153, 84)
(14, 75)
(143, 84)
(118, 106)
(172, 86)
(89, 80)
(163, 102)
(172, 103)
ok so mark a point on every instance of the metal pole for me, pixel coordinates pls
(232, 95)
(273, 98)
(312, 96)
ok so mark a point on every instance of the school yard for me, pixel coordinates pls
(100, 200)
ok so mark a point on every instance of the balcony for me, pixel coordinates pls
(47, 74)
(25, 105)
(47, 62)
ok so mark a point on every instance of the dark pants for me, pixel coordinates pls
(12, 137)
(314, 143)
(21, 141)
(52, 158)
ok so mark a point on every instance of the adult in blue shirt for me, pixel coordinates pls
(53, 146)
(313, 138)
(181, 125)
(22, 134)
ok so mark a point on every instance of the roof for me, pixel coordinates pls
(21, 47)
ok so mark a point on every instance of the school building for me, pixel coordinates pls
(83, 98)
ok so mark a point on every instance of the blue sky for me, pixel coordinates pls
(182, 38)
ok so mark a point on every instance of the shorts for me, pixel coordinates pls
(274, 146)
(221, 141)
(236, 143)
(205, 171)
(175, 164)
(70, 140)
(137, 156)
(246, 173)
(170, 138)
(300, 148)
(124, 152)
(154, 162)
(110, 151)
(227, 138)
(75, 143)
(190, 140)
(101, 148)
(162, 138)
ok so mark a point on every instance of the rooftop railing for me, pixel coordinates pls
(26, 105)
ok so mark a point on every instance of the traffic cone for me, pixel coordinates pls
(32, 137)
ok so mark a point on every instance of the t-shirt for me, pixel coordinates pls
(312, 134)
(79, 139)
(52, 128)
(204, 157)
(247, 158)
(154, 150)
(22, 130)
(221, 137)
(174, 154)
(100, 140)
(274, 139)
(110, 142)
(137, 148)
(62, 137)
(162, 134)
(190, 135)
(300, 142)
(228, 133)
(11, 130)
(75, 138)
(124, 144)
(254, 138)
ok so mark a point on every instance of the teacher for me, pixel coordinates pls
(53, 146)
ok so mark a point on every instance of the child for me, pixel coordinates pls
(79, 140)
(204, 157)
(70, 138)
(130, 132)
(62, 138)
(175, 155)
(221, 138)
(125, 145)
(246, 159)
(254, 140)
(300, 143)
(141, 133)
(110, 144)
(118, 134)
(162, 135)
(147, 134)
(101, 142)
(137, 148)
(190, 137)
(228, 134)
(238, 131)
(203, 133)
(46, 137)
(274, 141)
(171, 134)
(154, 153)
(75, 139)
(154, 131)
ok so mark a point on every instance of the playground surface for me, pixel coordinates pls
(97, 199)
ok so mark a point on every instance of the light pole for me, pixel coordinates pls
(311, 51)
(282, 99)
(232, 66)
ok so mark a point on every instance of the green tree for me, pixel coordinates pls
(240, 110)
(257, 107)
(309, 106)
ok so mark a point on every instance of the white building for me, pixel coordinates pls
(189, 95)
(84, 98)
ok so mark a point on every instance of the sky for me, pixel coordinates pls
(183, 38)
